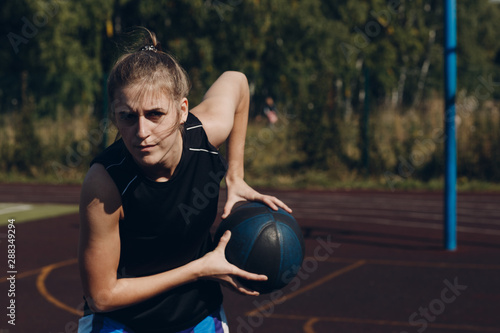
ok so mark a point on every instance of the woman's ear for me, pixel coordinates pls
(184, 107)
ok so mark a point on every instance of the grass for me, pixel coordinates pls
(405, 146)
(320, 180)
(29, 212)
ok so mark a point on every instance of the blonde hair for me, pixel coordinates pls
(152, 69)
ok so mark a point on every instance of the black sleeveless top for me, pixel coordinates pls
(166, 225)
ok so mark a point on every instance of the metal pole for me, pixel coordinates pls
(450, 74)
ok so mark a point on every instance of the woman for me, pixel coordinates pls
(146, 256)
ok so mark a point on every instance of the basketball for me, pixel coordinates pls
(263, 241)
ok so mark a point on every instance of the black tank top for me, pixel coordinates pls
(166, 225)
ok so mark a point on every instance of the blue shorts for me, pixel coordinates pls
(95, 323)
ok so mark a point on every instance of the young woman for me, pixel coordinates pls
(146, 256)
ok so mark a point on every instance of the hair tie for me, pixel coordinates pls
(148, 48)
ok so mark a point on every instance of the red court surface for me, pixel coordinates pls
(375, 263)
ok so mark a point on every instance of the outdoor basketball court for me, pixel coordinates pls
(374, 263)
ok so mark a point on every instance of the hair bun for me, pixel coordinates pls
(151, 47)
(148, 48)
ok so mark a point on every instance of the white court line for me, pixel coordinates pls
(15, 209)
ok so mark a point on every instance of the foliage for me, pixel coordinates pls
(326, 63)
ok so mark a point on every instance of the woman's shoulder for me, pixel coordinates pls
(213, 124)
(192, 121)
(196, 138)
(227, 94)
(116, 165)
(99, 187)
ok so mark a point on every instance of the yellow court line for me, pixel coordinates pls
(40, 284)
(313, 285)
(309, 325)
(312, 320)
(416, 263)
(38, 270)
(23, 274)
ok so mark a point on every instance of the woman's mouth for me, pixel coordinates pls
(145, 148)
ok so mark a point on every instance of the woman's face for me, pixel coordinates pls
(149, 125)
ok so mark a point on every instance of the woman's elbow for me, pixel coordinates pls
(100, 303)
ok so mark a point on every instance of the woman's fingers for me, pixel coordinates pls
(223, 241)
(247, 275)
(274, 203)
(228, 207)
(246, 291)
(231, 282)
(235, 270)
(232, 269)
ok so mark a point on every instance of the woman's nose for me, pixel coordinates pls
(142, 131)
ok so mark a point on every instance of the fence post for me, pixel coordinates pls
(450, 77)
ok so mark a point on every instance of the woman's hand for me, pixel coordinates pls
(239, 190)
(216, 267)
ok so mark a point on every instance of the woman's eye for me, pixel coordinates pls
(155, 115)
(127, 117)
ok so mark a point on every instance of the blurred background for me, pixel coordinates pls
(358, 85)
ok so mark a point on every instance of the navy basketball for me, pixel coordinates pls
(263, 241)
